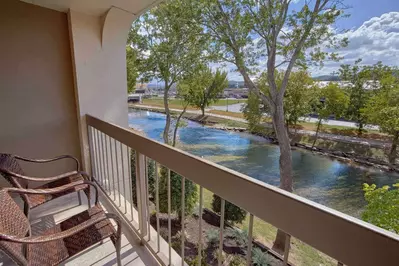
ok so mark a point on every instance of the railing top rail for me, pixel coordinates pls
(338, 235)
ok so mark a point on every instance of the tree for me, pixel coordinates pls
(383, 110)
(190, 192)
(253, 112)
(131, 68)
(204, 86)
(358, 95)
(299, 98)
(245, 32)
(232, 213)
(382, 206)
(334, 102)
(171, 43)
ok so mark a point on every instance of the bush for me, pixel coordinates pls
(232, 213)
(212, 236)
(151, 176)
(260, 258)
(191, 193)
(237, 260)
(382, 206)
(194, 261)
(240, 236)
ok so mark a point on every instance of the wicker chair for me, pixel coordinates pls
(13, 173)
(60, 242)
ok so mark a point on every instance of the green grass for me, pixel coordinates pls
(300, 254)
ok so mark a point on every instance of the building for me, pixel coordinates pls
(63, 91)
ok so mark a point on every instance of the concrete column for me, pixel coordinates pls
(99, 63)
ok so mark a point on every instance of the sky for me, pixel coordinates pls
(373, 33)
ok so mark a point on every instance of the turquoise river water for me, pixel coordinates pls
(332, 183)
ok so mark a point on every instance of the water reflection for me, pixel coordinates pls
(318, 178)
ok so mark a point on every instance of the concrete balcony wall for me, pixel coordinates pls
(37, 107)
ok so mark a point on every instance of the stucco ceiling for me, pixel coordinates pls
(95, 7)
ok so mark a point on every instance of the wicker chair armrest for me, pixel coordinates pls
(64, 234)
(49, 160)
(54, 190)
(44, 179)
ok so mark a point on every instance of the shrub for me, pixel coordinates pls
(240, 236)
(237, 260)
(194, 261)
(232, 212)
(212, 236)
(151, 176)
(191, 193)
(382, 206)
(259, 257)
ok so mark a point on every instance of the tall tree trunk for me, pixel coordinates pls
(203, 110)
(392, 152)
(177, 126)
(167, 112)
(360, 129)
(317, 132)
(285, 164)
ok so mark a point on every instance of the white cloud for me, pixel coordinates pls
(375, 40)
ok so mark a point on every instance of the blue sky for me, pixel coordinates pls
(373, 33)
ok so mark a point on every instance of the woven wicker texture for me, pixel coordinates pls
(13, 222)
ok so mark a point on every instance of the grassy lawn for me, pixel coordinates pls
(300, 254)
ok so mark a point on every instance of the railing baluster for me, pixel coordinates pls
(157, 204)
(169, 220)
(112, 169)
(123, 177)
(287, 249)
(222, 206)
(201, 199)
(98, 157)
(183, 209)
(95, 139)
(130, 179)
(107, 164)
(147, 199)
(250, 229)
(141, 197)
(103, 163)
(117, 172)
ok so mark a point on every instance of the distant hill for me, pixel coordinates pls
(327, 78)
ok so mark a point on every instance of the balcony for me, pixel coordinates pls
(346, 239)
(61, 97)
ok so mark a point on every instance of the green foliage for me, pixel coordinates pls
(212, 236)
(383, 206)
(131, 68)
(260, 258)
(191, 193)
(335, 101)
(202, 87)
(194, 261)
(232, 213)
(300, 97)
(240, 236)
(237, 260)
(383, 110)
(151, 176)
(252, 112)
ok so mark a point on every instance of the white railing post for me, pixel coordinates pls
(141, 194)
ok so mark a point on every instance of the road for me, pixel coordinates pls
(237, 108)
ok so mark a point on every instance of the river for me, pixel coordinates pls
(329, 182)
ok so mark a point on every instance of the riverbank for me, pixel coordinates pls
(363, 152)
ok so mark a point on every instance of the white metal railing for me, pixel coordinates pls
(348, 240)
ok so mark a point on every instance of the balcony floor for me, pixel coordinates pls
(132, 253)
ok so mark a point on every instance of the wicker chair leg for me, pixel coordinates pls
(118, 251)
(87, 192)
(80, 198)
